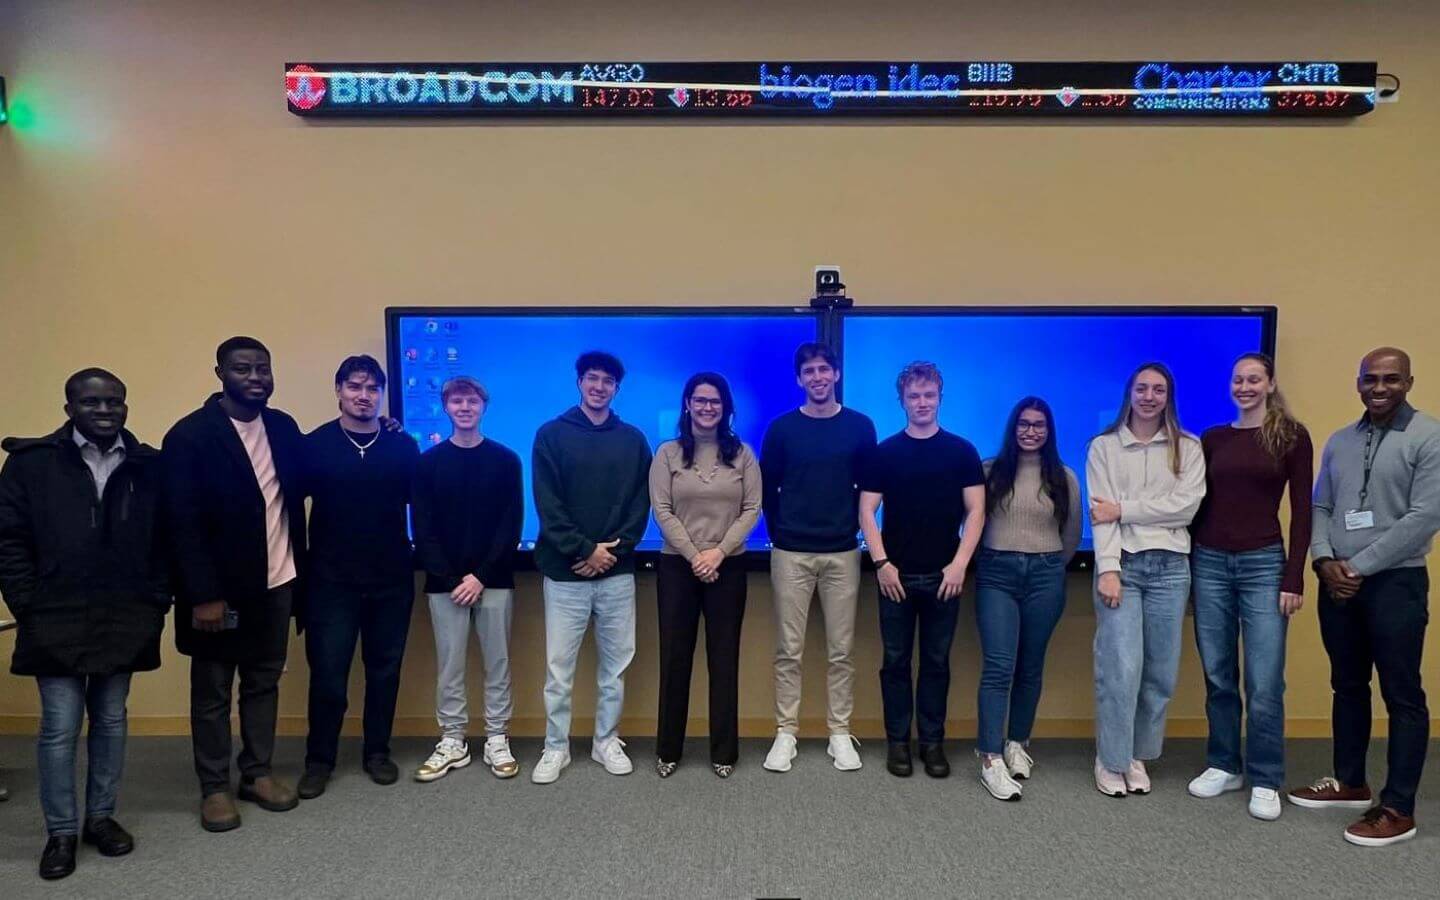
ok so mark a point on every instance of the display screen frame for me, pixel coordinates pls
(829, 327)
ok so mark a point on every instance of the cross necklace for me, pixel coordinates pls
(358, 446)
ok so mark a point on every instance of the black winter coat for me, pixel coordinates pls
(215, 516)
(84, 576)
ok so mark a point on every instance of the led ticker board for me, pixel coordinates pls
(819, 90)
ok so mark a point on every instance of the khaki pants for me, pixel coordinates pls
(795, 578)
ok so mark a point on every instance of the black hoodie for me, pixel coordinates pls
(84, 575)
(592, 484)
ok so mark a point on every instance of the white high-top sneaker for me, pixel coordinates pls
(611, 754)
(548, 769)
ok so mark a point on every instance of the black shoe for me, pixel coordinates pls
(382, 770)
(312, 783)
(897, 759)
(936, 765)
(107, 836)
(58, 860)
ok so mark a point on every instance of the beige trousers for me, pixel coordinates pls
(796, 578)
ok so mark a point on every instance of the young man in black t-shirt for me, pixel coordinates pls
(808, 464)
(932, 485)
(362, 583)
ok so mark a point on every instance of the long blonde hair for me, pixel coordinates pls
(1175, 433)
(1280, 430)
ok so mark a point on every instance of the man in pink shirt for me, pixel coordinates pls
(235, 502)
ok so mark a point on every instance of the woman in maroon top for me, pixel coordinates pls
(1245, 585)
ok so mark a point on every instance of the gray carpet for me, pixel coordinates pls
(813, 832)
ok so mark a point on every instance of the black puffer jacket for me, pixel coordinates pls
(85, 577)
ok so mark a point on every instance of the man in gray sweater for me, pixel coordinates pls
(1377, 509)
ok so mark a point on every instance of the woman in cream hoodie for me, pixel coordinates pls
(1146, 478)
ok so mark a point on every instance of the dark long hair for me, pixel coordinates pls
(724, 433)
(1171, 416)
(1000, 484)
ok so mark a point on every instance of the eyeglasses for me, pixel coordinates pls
(1037, 427)
(707, 402)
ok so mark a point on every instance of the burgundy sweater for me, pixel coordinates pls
(1243, 487)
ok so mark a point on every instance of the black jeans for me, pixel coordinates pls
(1381, 627)
(927, 699)
(211, 682)
(337, 616)
(681, 599)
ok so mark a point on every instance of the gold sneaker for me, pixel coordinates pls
(450, 753)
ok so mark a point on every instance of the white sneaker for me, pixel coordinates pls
(611, 755)
(997, 779)
(1213, 782)
(549, 766)
(842, 750)
(1017, 760)
(1137, 780)
(450, 753)
(1111, 784)
(1265, 804)
(499, 758)
(782, 753)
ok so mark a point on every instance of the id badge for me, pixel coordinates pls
(1359, 519)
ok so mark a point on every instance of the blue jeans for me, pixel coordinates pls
(569, 606)
(1237, 597)
(1018, 601)
(927, 698)
(63, 705)
(1137, 656)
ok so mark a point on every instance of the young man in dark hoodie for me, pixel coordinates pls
(591, 478)
(80, 570)
(235, 507)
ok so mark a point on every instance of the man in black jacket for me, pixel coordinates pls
(235, 501)
(79, 568)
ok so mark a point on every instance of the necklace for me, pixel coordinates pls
(358, 446)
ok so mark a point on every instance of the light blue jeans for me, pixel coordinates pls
(64, 702)
(569, 607)
(1137, 656)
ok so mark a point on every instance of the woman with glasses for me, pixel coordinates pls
(1146, 478)
(1246, 585)
(705, 489)
(1032, 527)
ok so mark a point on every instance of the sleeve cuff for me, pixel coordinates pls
(1107, 564)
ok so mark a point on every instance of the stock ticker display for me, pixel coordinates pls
(821, 89)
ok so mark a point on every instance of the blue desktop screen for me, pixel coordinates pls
(527, 363)
(1079, 363)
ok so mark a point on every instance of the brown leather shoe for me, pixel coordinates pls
(1328, 793)
(1381, 827)
(218, 812)
(269, 793)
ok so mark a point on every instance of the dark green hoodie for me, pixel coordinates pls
(591, 485)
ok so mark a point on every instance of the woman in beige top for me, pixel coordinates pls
(705, 489)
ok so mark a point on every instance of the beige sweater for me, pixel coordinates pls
(1026, 522)
(708, 504)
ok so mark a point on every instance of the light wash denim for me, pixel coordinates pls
(490, 617)
(1137, 656)
(64, 701)
(1237, 597)
(1018, 601)
(569, 606)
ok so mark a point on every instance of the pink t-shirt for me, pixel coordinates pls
(277, 523)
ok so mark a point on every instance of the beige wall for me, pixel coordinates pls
(161, 198)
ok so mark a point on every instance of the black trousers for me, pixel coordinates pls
(682, 599)
(336, 618)
(211, 682)
(1381, 627)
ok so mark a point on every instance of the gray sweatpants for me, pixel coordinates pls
(490, 617)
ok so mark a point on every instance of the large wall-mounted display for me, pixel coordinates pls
(1078, 358)
(821, 89)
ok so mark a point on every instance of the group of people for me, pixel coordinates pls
(100, 534)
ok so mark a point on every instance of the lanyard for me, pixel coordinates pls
(1370, 440)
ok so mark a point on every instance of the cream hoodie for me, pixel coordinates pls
(1155, 506)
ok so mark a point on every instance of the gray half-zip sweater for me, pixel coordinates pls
(1156, 505)
(1404, 494)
